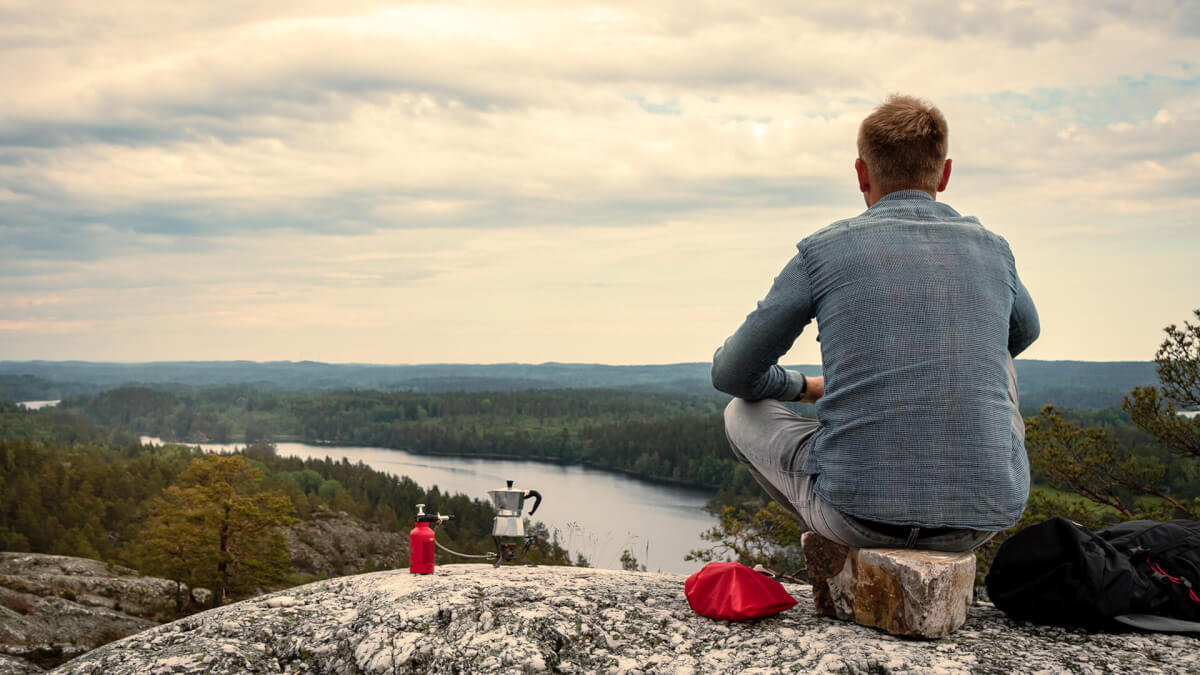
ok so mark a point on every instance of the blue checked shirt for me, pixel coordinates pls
(918, 309)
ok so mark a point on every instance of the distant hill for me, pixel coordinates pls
(313, 376)
(26, 387)
(1081, 384)
(1068, 384)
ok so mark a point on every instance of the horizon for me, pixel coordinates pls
(469, 363)
(361, 183)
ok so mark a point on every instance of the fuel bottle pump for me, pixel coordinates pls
(421, 541)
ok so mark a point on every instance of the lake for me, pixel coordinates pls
(596, 513)
(36, 405)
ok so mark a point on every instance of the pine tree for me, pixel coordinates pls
(217, 528)
(1156, 409)
(1090, 464)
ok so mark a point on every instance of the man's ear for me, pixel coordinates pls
(945, 177)
(864, 176)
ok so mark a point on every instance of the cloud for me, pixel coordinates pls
(44, 327)
(158, 157)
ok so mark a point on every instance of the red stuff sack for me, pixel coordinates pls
(733, 592)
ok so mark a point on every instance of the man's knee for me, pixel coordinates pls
(736, 414)
(734, 411)
(750, 425)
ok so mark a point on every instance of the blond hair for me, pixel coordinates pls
(904, 144)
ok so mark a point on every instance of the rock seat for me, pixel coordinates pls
(902, 591)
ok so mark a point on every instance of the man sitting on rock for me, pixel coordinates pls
(918, 442)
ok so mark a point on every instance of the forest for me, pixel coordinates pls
(662, 437)
(70, 487)
(78, 482)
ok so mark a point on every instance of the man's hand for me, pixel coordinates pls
(814, 388)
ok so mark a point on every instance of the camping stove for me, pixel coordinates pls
(508, 528)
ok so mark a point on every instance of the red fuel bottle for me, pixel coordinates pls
(420, 543)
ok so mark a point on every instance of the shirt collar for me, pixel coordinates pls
(899, 195)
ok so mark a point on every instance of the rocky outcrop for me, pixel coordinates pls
(476, 618)
(11, 665)
(332, 543)
(89, 582)
(53, 608)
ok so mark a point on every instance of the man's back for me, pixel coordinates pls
(914, 304)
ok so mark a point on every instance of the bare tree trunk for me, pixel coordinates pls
(222, 562)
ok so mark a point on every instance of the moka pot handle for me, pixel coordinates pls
(537, 496)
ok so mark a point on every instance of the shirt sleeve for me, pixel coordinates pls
(746, 366)
(1023, 325)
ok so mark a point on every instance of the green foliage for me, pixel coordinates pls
(630, 563)
(1178, 364)
(769, 536)
(55, 425)
(67, 488)
(675, 439)
(1135, 484)
(1105, 481)
(154, 411)
(26, 387)
(1088, 463)
(217, 528)
(1156, 409)
(79, 499)
(545, 549)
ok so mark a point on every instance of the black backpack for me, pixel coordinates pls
(1143, 573)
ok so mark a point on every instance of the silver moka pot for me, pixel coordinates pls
(508, 525)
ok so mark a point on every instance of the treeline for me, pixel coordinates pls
(662, 437)
(653, 436)
(25, 387)
(71, 488)
(1068, 384)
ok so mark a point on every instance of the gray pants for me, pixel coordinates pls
(772, 441)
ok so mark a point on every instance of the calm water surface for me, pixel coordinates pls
(35, 405)
(596, 513)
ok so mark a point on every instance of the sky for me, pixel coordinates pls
(558, 181)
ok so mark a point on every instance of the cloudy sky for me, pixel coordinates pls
(545, 180)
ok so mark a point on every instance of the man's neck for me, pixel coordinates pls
(873, 199)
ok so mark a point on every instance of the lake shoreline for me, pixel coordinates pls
(672, 482)
(593, 511)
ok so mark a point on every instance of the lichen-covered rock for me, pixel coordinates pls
(334, 543)
(53, 608)
(905, 592)
(11, 665)
(476, 618)
(201, 597)
(89, 582)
